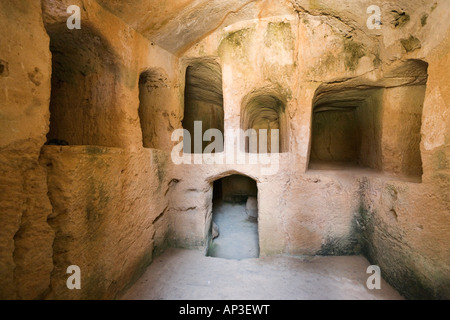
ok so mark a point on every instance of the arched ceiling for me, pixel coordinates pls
(176, 24)
(204, 82)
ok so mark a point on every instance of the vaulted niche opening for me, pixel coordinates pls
(203, 105)
(264, 123)
(234, 226)
(346, 129)
(83, 94)
(153, 93)
(372, 127)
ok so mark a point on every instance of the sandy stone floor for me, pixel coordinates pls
(190, 275)
(238, 237)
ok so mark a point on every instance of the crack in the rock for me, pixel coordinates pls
(299, 9)
(160, 215)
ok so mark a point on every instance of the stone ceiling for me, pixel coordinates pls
(175, 25)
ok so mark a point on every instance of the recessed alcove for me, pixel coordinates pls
(263, 122)
(346, 129)
(83, 108)
(203, 104)
(402, 119)
(369, 127)
(153, 92)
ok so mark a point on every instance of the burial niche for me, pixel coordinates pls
(153, 93)
(372, 127)
(83, 88)
(346, 129)
(203, 105)
(263, 122)
(402, 119)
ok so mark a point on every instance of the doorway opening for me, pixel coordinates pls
(234, 226)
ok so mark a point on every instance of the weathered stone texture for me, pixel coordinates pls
(112, 199)
(25, 236)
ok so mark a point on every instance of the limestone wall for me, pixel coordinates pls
(113, 198)
(25, 237)
(108, 203)
(315, 57)
(98, 202)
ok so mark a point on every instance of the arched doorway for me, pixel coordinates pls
(234, 227)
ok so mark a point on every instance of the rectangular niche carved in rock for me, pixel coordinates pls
(372, 127)
(153, 94)
(346, 129)
(203, 103)
(402, 119)
(263, 121)
(83, 107)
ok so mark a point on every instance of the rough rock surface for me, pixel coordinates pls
(25, 236)
(108, 198)
(324, 56)
(181, 24)
(215, 231)
(251, 207)
(77, 204)
(110, 221)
